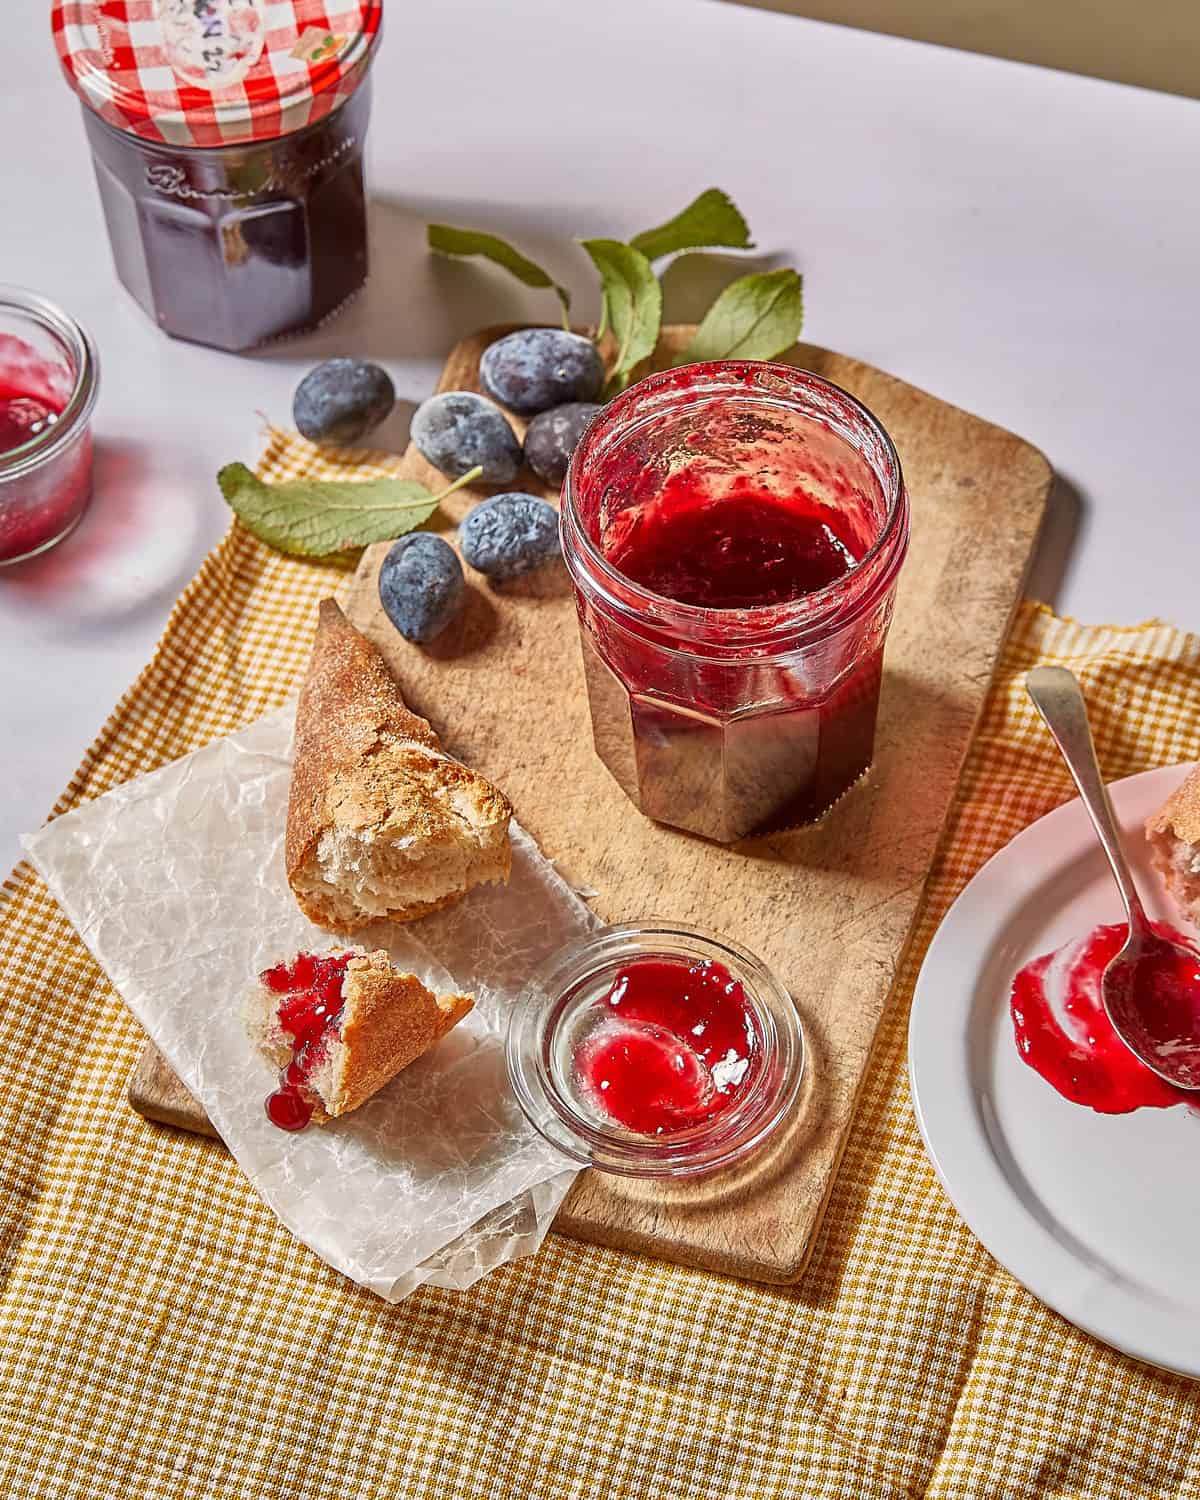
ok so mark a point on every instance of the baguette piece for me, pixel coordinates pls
(381, 822)
(388, 1019)
(1174, 835)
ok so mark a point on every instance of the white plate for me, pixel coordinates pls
(1098, 1215)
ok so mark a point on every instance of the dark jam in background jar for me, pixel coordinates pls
(228, 154)
(734, 532)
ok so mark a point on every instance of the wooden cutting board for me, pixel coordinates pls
(830, 908)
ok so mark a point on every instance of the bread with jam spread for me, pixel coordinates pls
(341, 1025)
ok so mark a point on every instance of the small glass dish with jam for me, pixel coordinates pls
(655, 1050)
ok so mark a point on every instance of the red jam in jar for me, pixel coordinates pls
(27, 409)
(227, 141)
(48, 383)
(734, 532)
(740, 549)
(677, 1046)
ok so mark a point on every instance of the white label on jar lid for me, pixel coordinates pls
(212, 43)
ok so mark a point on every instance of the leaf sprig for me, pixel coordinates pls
(756, 317)
(632, 302)
(327, 517)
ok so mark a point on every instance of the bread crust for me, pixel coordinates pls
(1174, 837)
(389, 1020)
(362, 758)
(348, 703)
(1180, 813)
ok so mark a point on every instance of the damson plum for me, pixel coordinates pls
(509, 535)
(538, 368)
(458, 430)
(341, 400)
(421, 585)
(554, 435)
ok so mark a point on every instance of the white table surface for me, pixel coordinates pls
(1021, 242)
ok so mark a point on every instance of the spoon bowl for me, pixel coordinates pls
(1151, 994)
(1151, 989)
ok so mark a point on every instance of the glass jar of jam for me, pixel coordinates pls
(734, 533)
(655, 1050)
(227, 140)
(49, 379)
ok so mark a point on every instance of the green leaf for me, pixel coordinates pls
(632, 302)
(447, 240)
(756, 317)
(713, 219)
(322, 517)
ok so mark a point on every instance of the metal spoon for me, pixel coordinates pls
(1151, 989)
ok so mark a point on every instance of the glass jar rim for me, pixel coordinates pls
(730, 1135)
(75, 415)
(791, 622)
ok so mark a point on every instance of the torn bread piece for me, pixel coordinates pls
(340, 1025)
(381, 822)
(1174, 835)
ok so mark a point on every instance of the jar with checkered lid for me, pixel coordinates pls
(227, 140)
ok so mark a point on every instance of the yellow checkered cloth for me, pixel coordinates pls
(165, 1339)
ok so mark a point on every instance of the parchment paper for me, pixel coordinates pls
(176, 883)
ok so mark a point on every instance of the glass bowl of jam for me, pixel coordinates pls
(49, 379)
(655, 1050)
(734, 532)
(227, 142)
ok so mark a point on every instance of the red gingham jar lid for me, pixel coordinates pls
(215, 72)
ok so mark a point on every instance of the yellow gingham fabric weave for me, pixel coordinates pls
(163, 1338)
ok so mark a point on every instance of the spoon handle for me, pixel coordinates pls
(1057, 697)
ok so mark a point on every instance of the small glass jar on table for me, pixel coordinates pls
(227, 142)
(734, 532)
(651, 1049)
(49, 380)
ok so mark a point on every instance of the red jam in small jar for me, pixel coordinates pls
(677, 1047)
(48, 383)
(227, 141)
(654, 1050)
(29, 408)
(734, 532)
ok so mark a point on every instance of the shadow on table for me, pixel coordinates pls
(1053, 558)
(693, 282)
(132, 550)
(417, 305)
